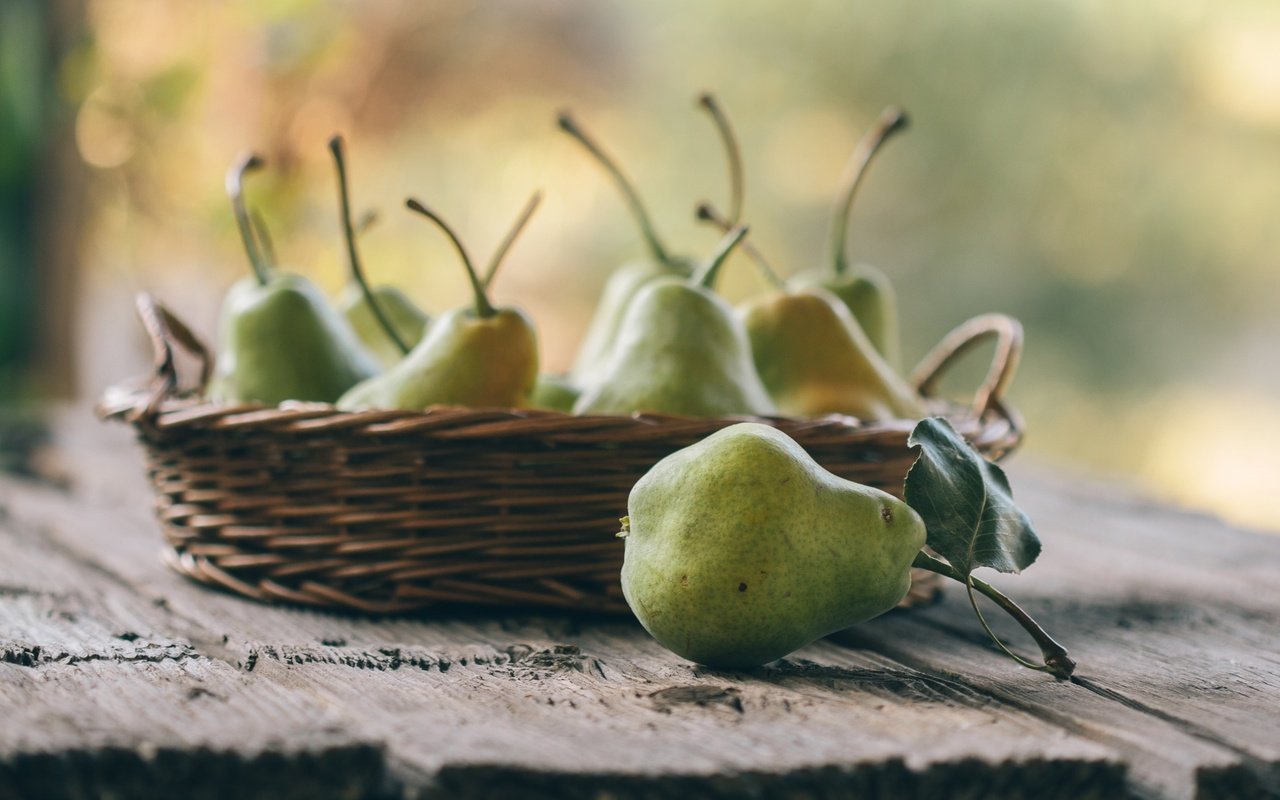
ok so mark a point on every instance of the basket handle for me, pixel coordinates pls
(1007, 332)
(164, 330)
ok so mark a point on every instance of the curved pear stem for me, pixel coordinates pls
(708, 102)
(513, 234)
(484, 308)
(891, 120)
(705, 277)
(709, 213)
(247, 163)
(263, 235)
(353, 257)
(1056, 661)
(656, 249)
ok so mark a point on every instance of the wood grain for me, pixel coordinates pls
(1175, 696)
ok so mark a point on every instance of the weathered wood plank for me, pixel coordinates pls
(484, 704)
(1175, 620)
(99, 698)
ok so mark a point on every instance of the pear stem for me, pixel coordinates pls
(650, 234)
(484, 309)
(891, 120)
(263, 235)
(709, 213)
(512, 235)
(708, 102)
(353, 256)
(705, 277)
(1056, 660)
(248, 162)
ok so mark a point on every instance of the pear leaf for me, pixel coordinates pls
(966, 504)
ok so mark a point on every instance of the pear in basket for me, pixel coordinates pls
(813, 356)
(593, 354)
(815, 359)
(863, 288)
(278, 337)
(742, 548)
(479, 355)
(811, 353)
(680, 350)
(387, 322)
(555, 393)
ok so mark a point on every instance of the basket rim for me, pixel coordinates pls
(157, 403)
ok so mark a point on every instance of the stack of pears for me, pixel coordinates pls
(662, 341)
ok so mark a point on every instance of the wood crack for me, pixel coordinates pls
(35, 655)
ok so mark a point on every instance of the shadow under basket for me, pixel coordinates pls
(395, 511)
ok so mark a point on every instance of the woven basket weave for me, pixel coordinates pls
(393, 511)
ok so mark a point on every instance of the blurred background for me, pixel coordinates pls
(1107, 173)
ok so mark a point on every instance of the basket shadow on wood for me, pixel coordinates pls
(395, 511)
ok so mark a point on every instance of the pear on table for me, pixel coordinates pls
(680, 350)
(278, 337)
(865, 290)
(479, 355)
(741, 549)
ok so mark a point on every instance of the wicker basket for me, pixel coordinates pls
(393, 511)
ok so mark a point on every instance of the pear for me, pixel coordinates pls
(811, 353)
(479, 356)
(408, 321)
(627, 280)
(384, 318)
(680, 350)
(554, 392)
(864, 289)
(278, 337)
(815, 359)
(741, 549)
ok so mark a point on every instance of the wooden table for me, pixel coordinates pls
(119, 678)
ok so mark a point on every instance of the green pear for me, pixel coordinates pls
(278, 337)
(815, 359)
(864, 289)
(384, 318)
(409, 321)
(681, 350)
(627, 280)
(602, 331)
(554, 392)
(741, 549)
(479, 356)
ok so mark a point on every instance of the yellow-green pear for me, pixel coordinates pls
(741, 549)
(480, 355)
(278, 337)
(815, 359)
(680, 350)
(864, 289)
